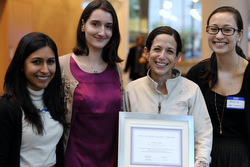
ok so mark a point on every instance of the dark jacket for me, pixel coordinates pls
(137, 70)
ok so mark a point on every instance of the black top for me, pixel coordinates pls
(236, 123)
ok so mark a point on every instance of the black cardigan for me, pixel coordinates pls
(11, 135)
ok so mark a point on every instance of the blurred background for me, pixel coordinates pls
(59, 19)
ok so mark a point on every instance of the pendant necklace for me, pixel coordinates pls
(222, 114)
(224, 105)
(95, 70)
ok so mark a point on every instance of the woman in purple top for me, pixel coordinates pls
(92, 80)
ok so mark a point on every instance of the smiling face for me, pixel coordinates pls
(220, 43)
(98, 29)
(39, 68)
(162, 56)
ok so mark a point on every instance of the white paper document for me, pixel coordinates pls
(156, 146)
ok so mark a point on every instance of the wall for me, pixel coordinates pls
(209, 6)
(3, 41)
(56, 18)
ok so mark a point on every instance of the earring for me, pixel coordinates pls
(82, 28)
(238, 40)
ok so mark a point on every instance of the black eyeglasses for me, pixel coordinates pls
(227, 31)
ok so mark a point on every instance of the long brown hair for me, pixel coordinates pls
(110, 51)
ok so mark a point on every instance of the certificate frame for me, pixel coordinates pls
(147, 140)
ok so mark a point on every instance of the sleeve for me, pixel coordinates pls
(203, 130)
(9, 134)
(126, 103)
(192, 74)
(60, 153)
(247, 100)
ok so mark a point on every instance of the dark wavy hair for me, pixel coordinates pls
(15, 83)
(164, 30)
(211, 73)
(109, 54)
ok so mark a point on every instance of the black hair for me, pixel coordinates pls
(211, 63)
(164, 30)
(15, 83)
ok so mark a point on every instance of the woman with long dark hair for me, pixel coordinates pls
(93, 84)
(32, 116)
(224, 79)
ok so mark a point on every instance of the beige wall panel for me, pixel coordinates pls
(3, 42)
(210, 5)
(58, 19)
(20, 21)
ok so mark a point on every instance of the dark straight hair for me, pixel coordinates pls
(109, 54)
(15, 83)
(211, 73)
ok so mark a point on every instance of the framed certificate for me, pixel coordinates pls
(147, 140)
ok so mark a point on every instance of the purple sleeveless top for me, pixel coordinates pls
(97, 101)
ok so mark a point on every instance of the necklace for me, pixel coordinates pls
(215, 103)
(96, 69)
(222, 114)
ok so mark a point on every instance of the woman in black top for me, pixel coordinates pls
(224, 79)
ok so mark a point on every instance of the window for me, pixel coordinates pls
(182, 15)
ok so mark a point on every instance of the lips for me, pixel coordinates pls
(220, 43)
(43, 77)
(99, 38)
(161, 64)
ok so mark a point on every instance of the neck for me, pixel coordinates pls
(94, 59)
(162, 88)
(95, 52)
(227, 62)
(161, 79)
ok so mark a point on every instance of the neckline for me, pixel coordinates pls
(243, 81)
(77, 67)
(224, 96)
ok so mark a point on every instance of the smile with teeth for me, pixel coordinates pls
(161, 64)
(220, 43)
(43, 77)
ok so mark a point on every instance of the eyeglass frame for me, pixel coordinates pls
(221, 29)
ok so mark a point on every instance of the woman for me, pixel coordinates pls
(224, 79)
(165, 91)
(31, 109)
(92, 82)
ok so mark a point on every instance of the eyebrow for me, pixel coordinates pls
(40, 58)
(100, 21)
(226, 25)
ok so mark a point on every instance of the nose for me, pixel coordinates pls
(101, 30)
(219, 34)
(44, 68)
(162, 55)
